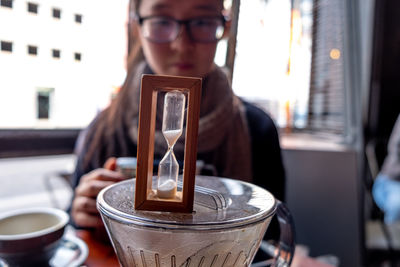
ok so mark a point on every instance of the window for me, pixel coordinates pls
(44, 96)
(32, 8)
(20, 98)
(32, 50)
(56, 53)
(28, 50)
(6, 46)
(56, 13)
(78, 56)
(78, 18)
(7, 3)
(306, 59)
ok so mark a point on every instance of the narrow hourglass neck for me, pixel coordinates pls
(172, 136)
(169, 156)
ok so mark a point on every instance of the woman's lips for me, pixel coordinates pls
(183, 66)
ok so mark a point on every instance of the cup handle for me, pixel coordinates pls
(282, 251)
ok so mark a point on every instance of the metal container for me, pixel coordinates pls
(227, 225)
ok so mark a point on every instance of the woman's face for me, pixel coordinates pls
(182, 56)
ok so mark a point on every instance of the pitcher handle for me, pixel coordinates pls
(283, 251)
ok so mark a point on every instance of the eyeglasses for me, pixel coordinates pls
(160, 29)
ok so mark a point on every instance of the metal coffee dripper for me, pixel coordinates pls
(166, 220)
(227, 225)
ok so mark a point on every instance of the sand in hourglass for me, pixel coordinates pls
(167, 189)
(172, 136)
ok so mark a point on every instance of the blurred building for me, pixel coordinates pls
(59, 60)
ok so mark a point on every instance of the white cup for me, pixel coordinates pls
(31, 236)
(127, 166)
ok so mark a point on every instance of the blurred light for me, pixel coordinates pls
(335, 53)
(227, 4)
(296, 35)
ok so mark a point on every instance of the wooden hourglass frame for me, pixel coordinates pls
(150, 87)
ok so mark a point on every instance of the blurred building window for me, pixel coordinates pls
(78, 56)
(32, 50)
(44, 98)
(7, 3)
(32, 8)
(6, 46)
(78, 18)
(56, 13)
(56, 53)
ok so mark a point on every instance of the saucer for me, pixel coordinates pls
(72, 252)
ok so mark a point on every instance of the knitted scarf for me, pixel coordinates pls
(223, 127)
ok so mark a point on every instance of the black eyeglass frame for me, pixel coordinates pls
(185, 22)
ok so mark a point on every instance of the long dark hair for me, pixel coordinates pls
(107, 135)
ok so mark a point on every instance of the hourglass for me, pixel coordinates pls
(172, 126)
(162, 192)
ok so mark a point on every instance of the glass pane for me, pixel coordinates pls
(295, 50)
(43, 106)
(56, 13)
(7, 3)
(278, 49)
(85, 69)
(33, 8)
(6, 46)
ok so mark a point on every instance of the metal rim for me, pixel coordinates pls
(106, 210)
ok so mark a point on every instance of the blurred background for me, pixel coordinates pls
(325, 70)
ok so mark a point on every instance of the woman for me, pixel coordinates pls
(178, 37)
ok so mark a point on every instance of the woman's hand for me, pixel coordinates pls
(84, 211)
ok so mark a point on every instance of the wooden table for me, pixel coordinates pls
(101, 253)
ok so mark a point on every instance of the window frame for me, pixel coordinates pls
(37, 142)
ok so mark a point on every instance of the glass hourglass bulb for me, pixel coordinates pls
(172, 127)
